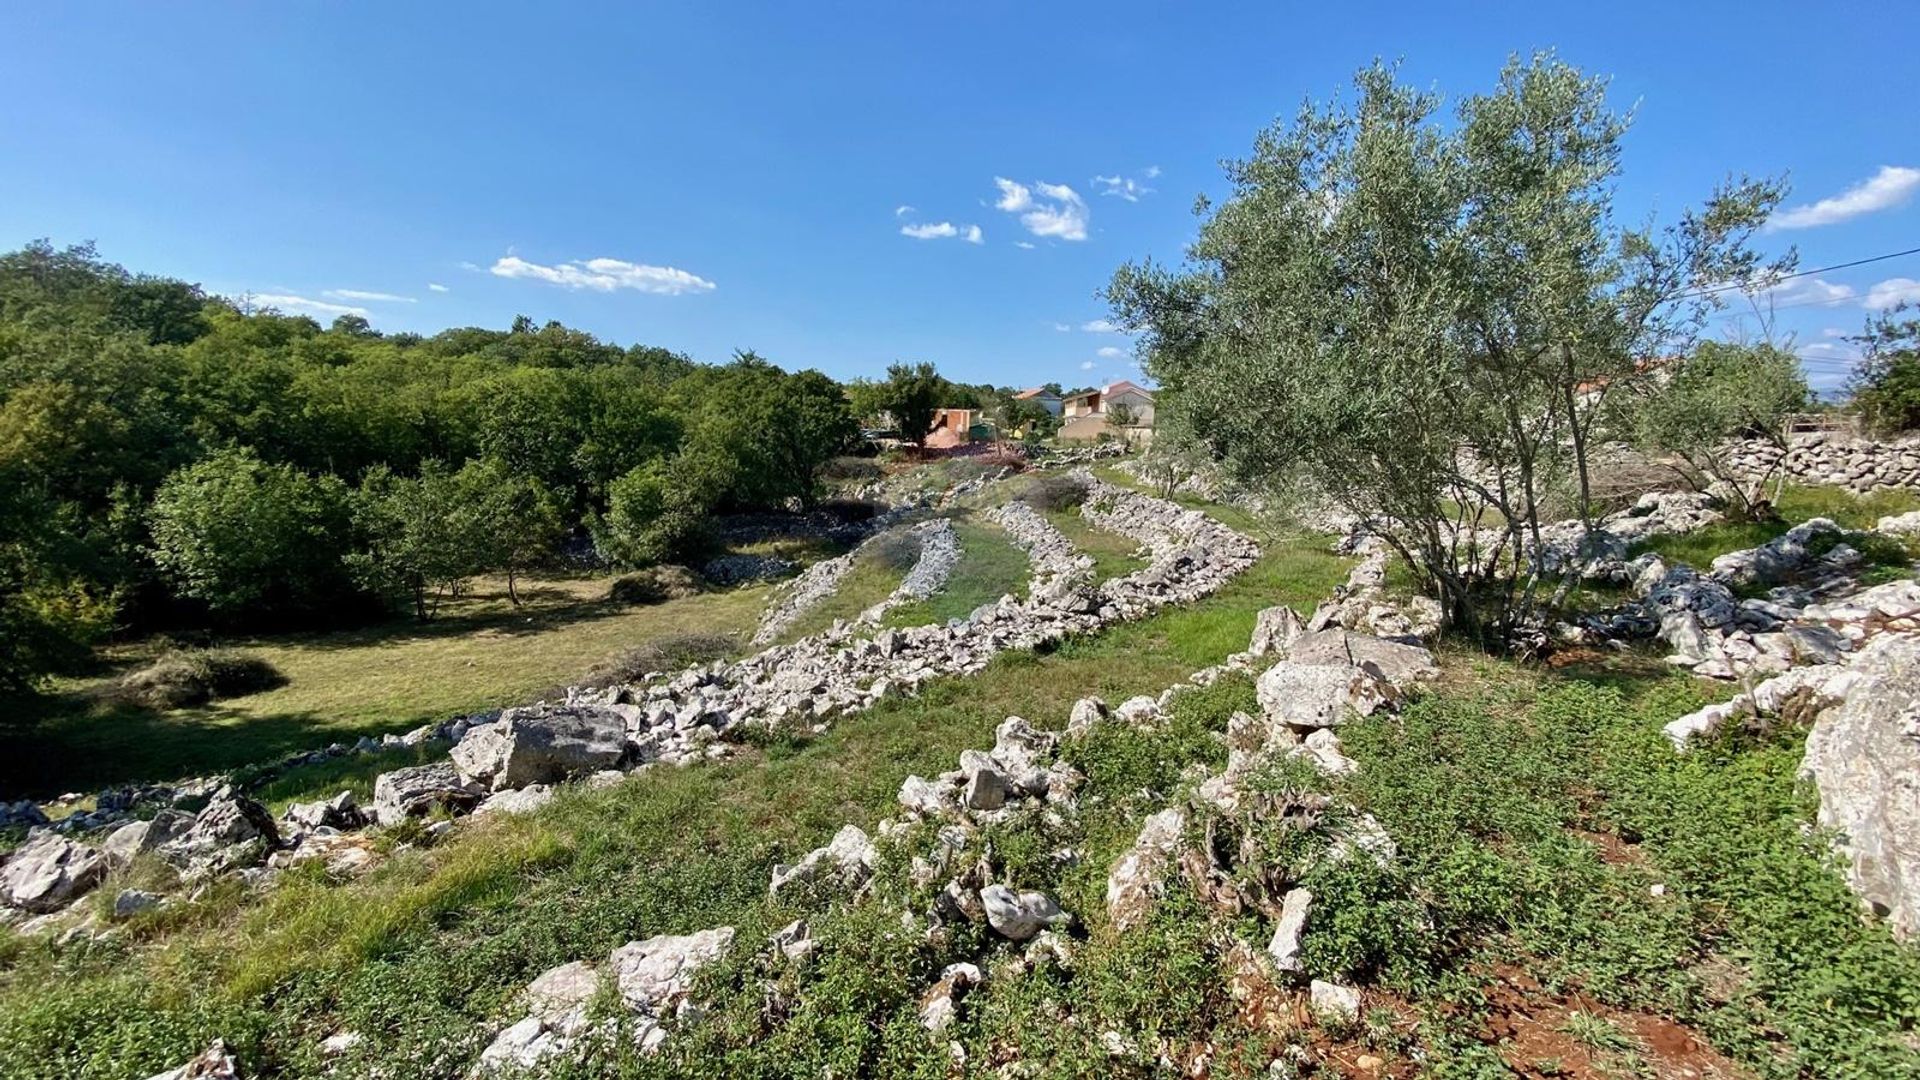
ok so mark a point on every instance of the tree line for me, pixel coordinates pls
(168, 457)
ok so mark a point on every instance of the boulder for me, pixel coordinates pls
(1864, 756)
(1019, 916)
(339, 812)
(1303, 695)
(542, 744)
(131, 902)
(418, 790)
(518, 801)
(139, 837)
(49, 872)
(1334, 1002)
(846, 863)
(1399, 665)
(227, 822)
(658, 973)
(1087, 712)
(1274, 631)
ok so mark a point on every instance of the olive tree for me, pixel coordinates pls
(1415, 315)
(1694, 407)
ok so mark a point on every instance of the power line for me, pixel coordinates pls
(1771, 282)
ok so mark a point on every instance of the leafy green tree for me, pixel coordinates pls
(1719, 393)
(1404, 311)
(252, 539)
(424, 535)
(521, 521)
(655, 513)
(912, 393)
(1885, 387)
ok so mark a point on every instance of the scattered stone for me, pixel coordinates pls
(1285, 947)
(1136, 880)
(214, 1063)
(339, 812)
(940, 1004)
(1333, 1001)
(845, 864)
(419, 790)
(542, 744)
(131, 902)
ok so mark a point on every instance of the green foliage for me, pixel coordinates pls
(1722, 391)
(424, 535)
(245, 536)
(1885, 387)
(911, 394)
(197, 676)
(1385, 287)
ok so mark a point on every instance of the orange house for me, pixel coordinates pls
(951, 428)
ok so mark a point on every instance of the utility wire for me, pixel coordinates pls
(1745, 286)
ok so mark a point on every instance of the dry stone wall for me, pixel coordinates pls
(1859, 465)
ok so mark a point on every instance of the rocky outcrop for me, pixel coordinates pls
(419, 790)
(49, 872)
(1864, 756)
(544, 744)
(844, 865)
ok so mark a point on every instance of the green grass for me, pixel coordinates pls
(872, 579)
(990, 567)
(481, 652)
(1113, 555)
(1886, 558)
(422, 954)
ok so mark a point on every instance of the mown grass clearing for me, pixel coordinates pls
(990, 567)
(481, 652)
(1113, 555)
(878, 568)
(424, 953)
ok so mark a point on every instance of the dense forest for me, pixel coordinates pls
(170, 458)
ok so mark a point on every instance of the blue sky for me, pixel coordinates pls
(741, 169)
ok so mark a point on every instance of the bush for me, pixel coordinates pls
(670, 653)
(655, 585)
(895, 550)
(180, 678)
(1055, 492)
(851, 468)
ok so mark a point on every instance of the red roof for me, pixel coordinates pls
(1037, 391)
(1123, 386)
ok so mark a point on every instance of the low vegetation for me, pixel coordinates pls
(482, 652)
(990, 567)
(194, 677)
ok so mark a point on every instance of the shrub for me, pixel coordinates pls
(194, 677)
(895, 550)
(670, 653)
(654, 585)
(1055, 492)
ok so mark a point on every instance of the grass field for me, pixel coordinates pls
(990, 567)
(431, 946)
(1113, 555)
(481, 652)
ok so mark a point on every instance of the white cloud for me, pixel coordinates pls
(1801, 292)
(902, 210)
(1126, 187)
(1013, 197)
(1892, 293)
(1111, 352)
(470, 266)
(931, 231)
(974, 235)
(1065, 328)
(1057, 210)
(1023, 244)
(1153, 172)
(1834, 332)
(286, 302)
(1086, 366)
(1099, 326)
(434, 286)
(1888, 188)
(361, 294)
(605, 275)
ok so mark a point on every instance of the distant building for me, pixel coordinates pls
(956, 427)
(1088, 415)
(1041, 396)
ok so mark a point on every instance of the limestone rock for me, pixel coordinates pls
(214, 1063)
(49, 872)
(658, 973)
(1864, 756)
(846, 863)
(1275, 630)
(418, 790)
(1019, 916)
(1333, 1001)
(1285, 947)
(1136, 878)
(339, 812)
(542, 744)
